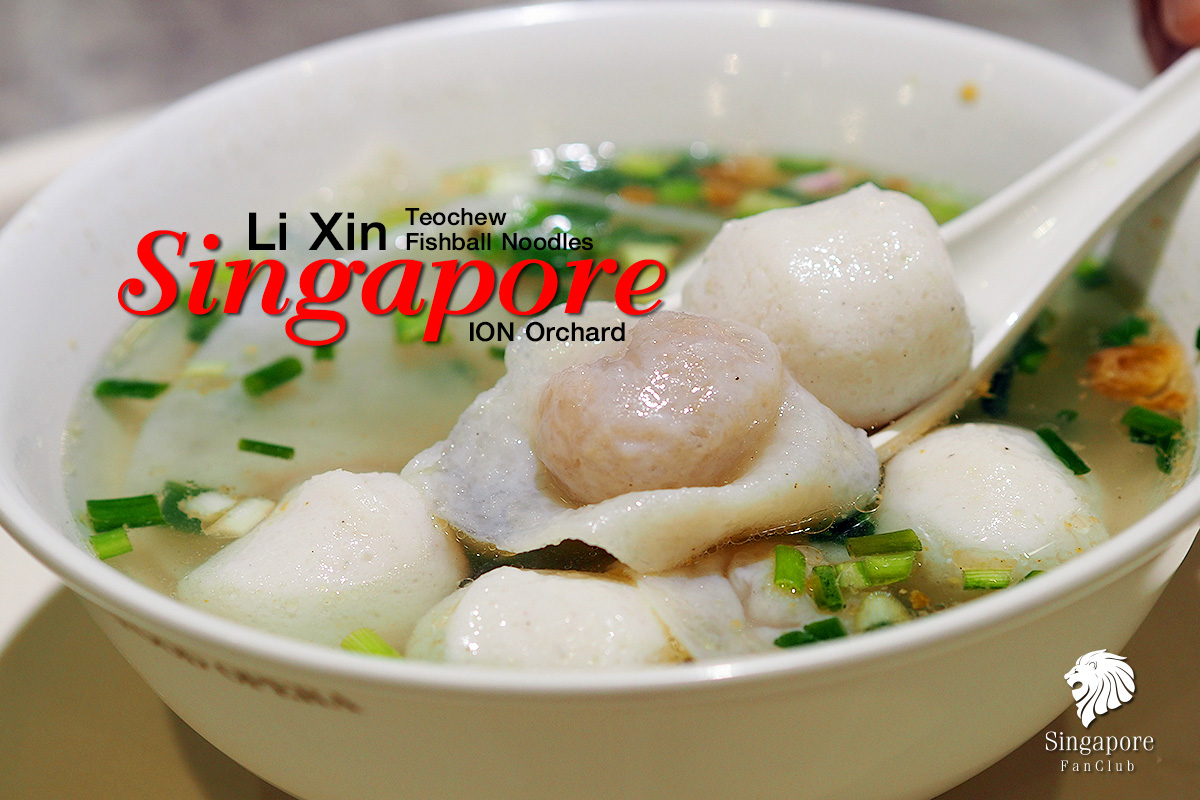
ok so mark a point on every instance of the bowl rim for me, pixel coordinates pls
(125, 597)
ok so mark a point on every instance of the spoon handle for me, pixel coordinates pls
(1014, 248)
(1011, 251)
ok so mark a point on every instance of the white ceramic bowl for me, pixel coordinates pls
(902, 713)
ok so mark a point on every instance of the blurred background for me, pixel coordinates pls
(64, 62)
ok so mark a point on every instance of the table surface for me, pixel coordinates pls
(62, 685)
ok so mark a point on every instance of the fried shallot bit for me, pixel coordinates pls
(721, 193)
(918, 600)
(1145, 374)
(638, 195)
(751, 172)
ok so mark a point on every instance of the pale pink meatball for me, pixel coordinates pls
(687, 403)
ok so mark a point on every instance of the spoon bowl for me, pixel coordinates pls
(1013, 250)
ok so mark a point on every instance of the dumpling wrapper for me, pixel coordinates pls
(486, 480)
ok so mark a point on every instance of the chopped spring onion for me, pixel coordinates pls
(800, 165)
(266, 448)
(986, 578)
(1029, 353)
(409, 328)
(1033, 573)
(828, 628)
(272, 376)
(643, 166)
(1093, 273)
(129, 512)
(1069, 458)
(111, 543)
(1124, 332)
(851, 576)
(885, 568)
(496, 353)
(141, 390)
(201, 326)
(789, 568)
(1151, 423)
(324, 352)
(174, 495)
(1164, 453)
(680, 191)
(794, 639)
(1198, 338)
(880, 609)
(826, 592)
(204, 369)
(891, 542)
(365, 640)
(857, 524)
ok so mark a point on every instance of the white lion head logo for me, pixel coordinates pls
(1105, 682)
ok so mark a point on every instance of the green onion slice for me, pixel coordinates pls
(174, 493)
(794, 639)
(1124, 332)
(141, 390)
(1164, 453)
(1033, 573)
(409, 328)
(885, 568)
(860, 523)
(891, 542)
(272, 376)
(828, 628)
(826, 592)
(1062, 450)
(496, 353)
(111, 543)
(1151, 423)
(129, 512)
(365, 640)
(1093, 273)
(201, 326)
(851, 576)
(266, 448)
(986, 578)
(789, 568)
(324, 352)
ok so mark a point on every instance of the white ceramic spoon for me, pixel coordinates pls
(1011, 251)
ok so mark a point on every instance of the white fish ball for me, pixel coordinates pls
(340, 552)
(987, 496)
(858, 292)
(512, 617)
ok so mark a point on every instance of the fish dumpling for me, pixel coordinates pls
(507, 477)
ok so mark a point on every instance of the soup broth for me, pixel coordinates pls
(381, 395)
